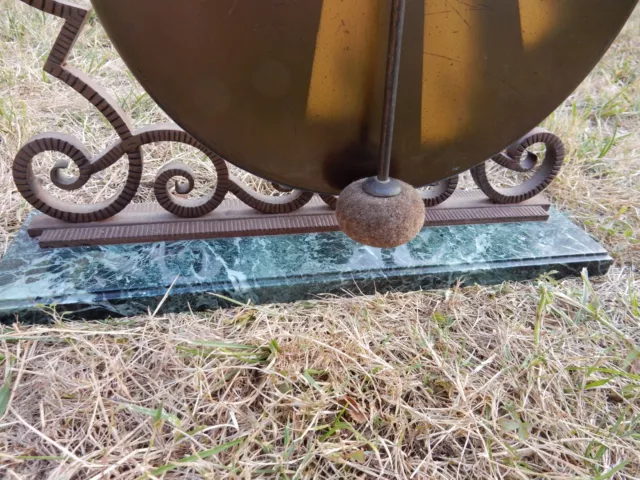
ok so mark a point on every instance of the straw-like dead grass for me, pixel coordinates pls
(538, 380)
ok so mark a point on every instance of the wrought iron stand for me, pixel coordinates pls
(118, 220)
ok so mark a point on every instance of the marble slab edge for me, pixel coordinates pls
(306, 287)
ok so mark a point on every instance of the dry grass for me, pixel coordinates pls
(538, 380)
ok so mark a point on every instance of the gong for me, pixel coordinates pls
(292, 90)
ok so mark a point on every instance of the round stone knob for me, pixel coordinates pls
(378, 220)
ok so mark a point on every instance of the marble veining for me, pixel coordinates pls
(93, 282)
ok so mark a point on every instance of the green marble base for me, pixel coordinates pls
(98, 282)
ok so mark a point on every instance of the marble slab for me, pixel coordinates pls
(122, 280)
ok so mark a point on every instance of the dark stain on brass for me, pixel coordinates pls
(278, 87)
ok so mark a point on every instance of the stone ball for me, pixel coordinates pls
(382, 222)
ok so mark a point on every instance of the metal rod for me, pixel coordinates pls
(398, 9)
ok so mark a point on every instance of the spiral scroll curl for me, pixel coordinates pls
(33, 191)
(519, 158)
(186, 208)
(191, 208)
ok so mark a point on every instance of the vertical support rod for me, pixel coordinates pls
(398, 9)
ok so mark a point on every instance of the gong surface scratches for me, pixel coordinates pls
(292, 90)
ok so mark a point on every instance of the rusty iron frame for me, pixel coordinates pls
(516, 157)
(148, 222)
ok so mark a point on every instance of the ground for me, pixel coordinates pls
(528, 380)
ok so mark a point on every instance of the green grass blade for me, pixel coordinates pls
(597, 383)
(157, 414)
(194, 458)
(5, 395)
(612, 472)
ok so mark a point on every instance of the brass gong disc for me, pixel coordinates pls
(292, 90)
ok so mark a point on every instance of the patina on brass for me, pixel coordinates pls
(115, 220)
(292, 90)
